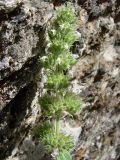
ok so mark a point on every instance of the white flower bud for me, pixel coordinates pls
(48, 45)
(62, 26)
(58, 60)
(44, 58)
(53, 31)
(66, 46)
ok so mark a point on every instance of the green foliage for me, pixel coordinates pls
(48, 61)
(71, 102)
(50, 136)
(57, 61)
(64, 15)
(62, 33)
(41, 131)
(64, 155)
(54, 105)
(64, 62)
(56, 81)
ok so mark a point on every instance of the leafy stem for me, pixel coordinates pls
(58, 98)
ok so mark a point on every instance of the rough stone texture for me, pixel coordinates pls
(21, 38)
(22, 41)
(98, 76)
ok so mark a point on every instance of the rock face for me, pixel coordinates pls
(98, 74)
(96, 77)
(22, 41)
(21, 38)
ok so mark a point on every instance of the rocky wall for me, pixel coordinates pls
(22, 41)
(96, 77)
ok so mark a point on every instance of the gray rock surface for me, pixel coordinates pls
(96, 78)
(98, 74)
(22, 41)
(22, 33)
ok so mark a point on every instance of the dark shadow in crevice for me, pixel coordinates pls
(99, 75)
(4, 16)
(12, 119)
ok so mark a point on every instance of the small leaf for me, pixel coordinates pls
(64, 155)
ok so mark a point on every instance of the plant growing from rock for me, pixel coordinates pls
(49, 135)
(55, 105)
(57, 99)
